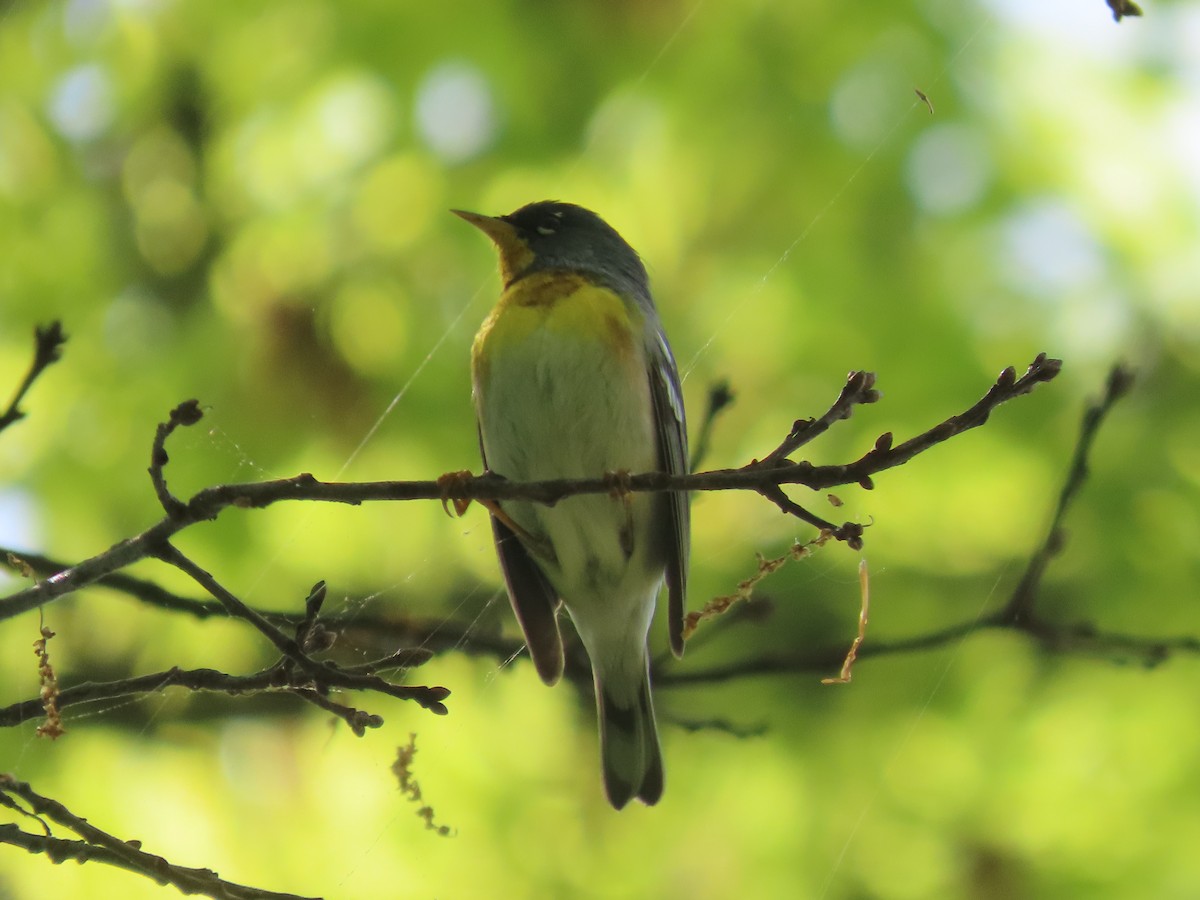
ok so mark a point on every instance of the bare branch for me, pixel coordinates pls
(274, 678)
(37, 565)
(323, 674)
(764, 477)
(1082, 640)
(1018, 614)
(100, 846)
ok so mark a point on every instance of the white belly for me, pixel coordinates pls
(556, 405)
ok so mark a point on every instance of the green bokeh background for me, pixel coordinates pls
(246, 203)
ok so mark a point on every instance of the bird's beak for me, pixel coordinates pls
(515, 255)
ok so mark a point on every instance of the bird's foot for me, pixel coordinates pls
(619, 488)
(454, 482)
(619, 484)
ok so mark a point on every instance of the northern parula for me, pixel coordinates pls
(573, 377)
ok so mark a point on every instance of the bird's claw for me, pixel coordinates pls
(451, 483)
(620, 484)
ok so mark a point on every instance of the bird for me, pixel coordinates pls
(572, 377)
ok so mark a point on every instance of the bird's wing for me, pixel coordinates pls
(667, 396)
(533, 599)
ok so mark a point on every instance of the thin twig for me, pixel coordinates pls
(850, 532)
(30, 565)
(720, 398)
(47, 350)
(273, 678)
(358, 720)
(323, 674)
(859, 389)
(186, 413)
(1021, 604)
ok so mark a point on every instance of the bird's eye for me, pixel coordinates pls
(546, 229)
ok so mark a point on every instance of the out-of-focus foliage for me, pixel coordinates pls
(246, 203)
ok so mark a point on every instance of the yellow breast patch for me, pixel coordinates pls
(558, 304)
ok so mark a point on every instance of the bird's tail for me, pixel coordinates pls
(629, 747)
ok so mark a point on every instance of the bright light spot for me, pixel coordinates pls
(85, 20)
(455, 113)
(865, 103)
(624, 125)
(1048, 251)
(279, 155)
(1179, 40)
(262, 154)
(1084, 28)
(948, 169)
(1095, 327)
(355, 117)
(1183, 137)
(81, 104)
(20, 526)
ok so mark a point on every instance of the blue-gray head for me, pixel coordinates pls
(553, 235)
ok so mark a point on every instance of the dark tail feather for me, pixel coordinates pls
(629, 747)
(533, 600)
